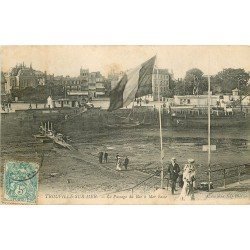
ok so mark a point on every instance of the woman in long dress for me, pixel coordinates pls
(187, 192)
(118, 163)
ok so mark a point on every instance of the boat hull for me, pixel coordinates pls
(215, 121)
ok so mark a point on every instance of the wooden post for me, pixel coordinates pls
(209, 133)
(162, 113)
(224, 177)
(161, 154)
(99, 117)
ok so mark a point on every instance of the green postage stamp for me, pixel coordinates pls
(20, 183)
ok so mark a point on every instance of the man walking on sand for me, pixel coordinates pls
(100, 157)
(106, 157)
(173, 170)
(126, 161)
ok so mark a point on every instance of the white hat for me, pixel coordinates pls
(173, 159)
(190, 160)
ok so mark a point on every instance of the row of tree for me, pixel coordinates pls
(38, 94)
(195, 82)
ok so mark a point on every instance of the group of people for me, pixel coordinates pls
(185, 178)
(103, 158)
(119, 163)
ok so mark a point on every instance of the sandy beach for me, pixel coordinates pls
(79, 172)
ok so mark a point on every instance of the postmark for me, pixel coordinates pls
(20, 182)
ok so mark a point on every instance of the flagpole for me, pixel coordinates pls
(160, 125)
(209, 132)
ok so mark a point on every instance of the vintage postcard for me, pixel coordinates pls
(125, 125)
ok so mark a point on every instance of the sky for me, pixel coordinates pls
(67, 60)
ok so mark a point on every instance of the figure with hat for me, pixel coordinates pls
(106, 156)
(118, 163)
(116, 157)
(192, 167)
(187, 192)
(126, 161)
(100, 155)
(173, 171)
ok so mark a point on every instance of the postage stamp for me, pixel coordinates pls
(20, 183)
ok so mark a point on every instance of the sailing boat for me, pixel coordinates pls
(48, 134)
(125, 122)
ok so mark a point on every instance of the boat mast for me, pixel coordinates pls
(161, 153)
(209, 131)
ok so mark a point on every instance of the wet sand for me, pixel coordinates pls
(79, 172)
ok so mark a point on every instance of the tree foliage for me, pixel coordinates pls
(195, 82)
(179, 88)
(228, 79)
(223, 82)
(38, 94)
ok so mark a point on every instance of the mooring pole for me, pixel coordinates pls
(209, 132)
(160, 126)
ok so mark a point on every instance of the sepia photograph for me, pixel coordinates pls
(125, 124)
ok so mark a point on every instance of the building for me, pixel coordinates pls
(216, 100)
(114, 78)
(161, 82)
(57, 80)
(235, 92)
(84, 74)
(3, 86)
(3, 83)
(21, 77)
(64, 103)
(90, 85)
(245, 100)
(75, 86)
(195, 100)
